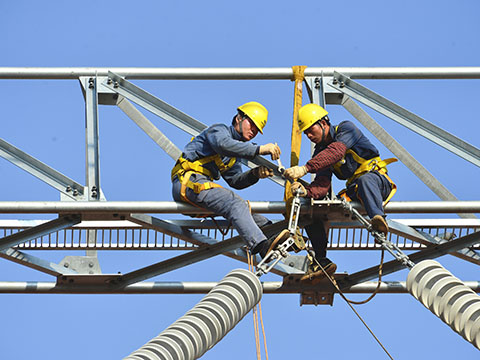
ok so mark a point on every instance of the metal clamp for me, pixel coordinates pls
(281, 252)
(379, 237)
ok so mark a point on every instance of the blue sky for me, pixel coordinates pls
(45, 118)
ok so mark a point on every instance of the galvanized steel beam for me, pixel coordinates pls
(34, 262)
(264, 207)
(431, 252)
(151, 130)
(38, 231)
(426, 239)
(284, 73)
(92, 155)
(184, 287)
(41, 171)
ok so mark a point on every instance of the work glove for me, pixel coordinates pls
(297, 187)
(295, 172)
(262, 172)
(271, 149)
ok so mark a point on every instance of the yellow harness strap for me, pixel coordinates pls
(367, 165)
(183, 165)
(195, 186)
(184, 169)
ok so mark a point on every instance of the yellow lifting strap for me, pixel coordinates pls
(298, 77)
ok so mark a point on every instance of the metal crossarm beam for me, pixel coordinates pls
(175, 116)
(426, 239)
(198, 239)
(151, 130)
(264, 207)
(406, 118)
(38, 231)
(41, 171)
(431, 252)
(34, 262)
(266, 73)
(197, 287)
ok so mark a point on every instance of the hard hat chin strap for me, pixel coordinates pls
(240, 124)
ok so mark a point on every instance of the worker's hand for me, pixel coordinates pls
(297, 187)
(271, 149)
(262, 172)
(295, 172)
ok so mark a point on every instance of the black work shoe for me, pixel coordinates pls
(274, 242)
(379, 224)
(315, 273)
(264, 247)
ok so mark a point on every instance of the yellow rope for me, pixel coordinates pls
(263, 330)
(257, 313)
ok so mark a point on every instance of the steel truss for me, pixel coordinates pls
(88, 222)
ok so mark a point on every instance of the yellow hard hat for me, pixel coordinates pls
(257, 112)
(309, 114)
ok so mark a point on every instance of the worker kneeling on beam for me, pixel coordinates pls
(346, 152)
(215, 152)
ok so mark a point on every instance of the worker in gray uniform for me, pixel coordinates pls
(216, 152)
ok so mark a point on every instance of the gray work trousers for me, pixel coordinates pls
(226, 203)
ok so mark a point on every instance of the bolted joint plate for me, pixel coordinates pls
(106, 96)
(88, 280)
(82, 264)
(316, 298)
(321, 293)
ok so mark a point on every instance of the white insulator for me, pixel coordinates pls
(475, 334)
(469, 319)
(458, 310)
(447, 297)
(417, 272)
(438, 291)
(428, 281)
(207, 322)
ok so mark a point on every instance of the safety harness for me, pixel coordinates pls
(365, 166)
(184, 169)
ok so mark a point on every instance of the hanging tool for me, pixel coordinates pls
(379, 236)
(281, 168)
(281, 252)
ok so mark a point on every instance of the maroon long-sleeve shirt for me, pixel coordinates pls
(323, 160)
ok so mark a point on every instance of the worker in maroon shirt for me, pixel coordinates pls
(342, 150)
